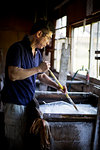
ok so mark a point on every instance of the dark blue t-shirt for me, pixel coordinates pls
(20, 91)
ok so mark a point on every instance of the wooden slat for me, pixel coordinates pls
(97, 52)
(98, 58)
(97, 131)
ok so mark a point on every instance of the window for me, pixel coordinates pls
(60, 36)
(85, 43)
(81, 48)
(95, 46)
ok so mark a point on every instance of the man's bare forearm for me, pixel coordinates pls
(47, 80)
(16, 73)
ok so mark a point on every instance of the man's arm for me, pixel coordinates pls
(16, 73)
(47, 80)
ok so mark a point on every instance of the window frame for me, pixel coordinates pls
(90, 47)
(58, 39)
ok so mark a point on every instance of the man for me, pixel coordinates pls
(23, 65)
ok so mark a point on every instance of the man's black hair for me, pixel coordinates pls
(42, 25)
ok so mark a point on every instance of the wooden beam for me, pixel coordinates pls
(61, 4)
(97, 52)
(97, 131)
(97, 58)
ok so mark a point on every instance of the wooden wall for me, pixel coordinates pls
(12, 29)
(14, 24)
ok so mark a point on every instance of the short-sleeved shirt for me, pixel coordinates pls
(20, 92)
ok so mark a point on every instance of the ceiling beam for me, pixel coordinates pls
(61, 4)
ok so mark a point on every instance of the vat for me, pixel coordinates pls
(71, 131)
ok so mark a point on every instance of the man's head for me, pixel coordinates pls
(42, 30)
(42, 25)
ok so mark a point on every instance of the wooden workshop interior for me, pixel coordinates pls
(74, 55)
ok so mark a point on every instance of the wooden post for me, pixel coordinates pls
(96, 145)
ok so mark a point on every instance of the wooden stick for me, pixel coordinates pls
(71, 101)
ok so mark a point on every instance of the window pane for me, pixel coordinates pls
(60, 35)
(63, 33)
(64, 21)
(58, 23)
(57, 34)
(93, 64)
(81, 48)
(94, 37)
(61, 22)
(99, 37)
(99, 49)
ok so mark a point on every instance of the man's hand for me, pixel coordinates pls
(44, 66)
(64, 90)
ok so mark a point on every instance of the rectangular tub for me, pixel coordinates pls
(71, 131)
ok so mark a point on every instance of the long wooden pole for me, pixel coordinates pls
(68, 97)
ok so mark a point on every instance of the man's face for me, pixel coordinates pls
(43, 41)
